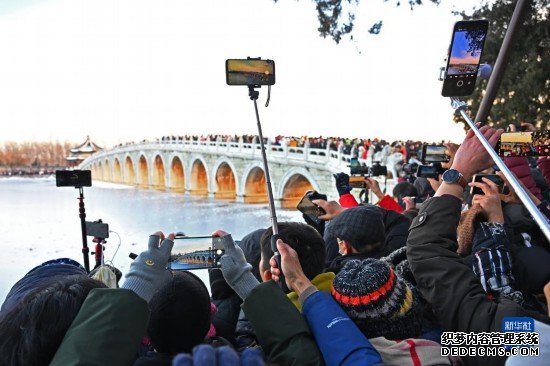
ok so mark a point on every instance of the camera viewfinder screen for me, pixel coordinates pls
(250, 72)
(436, 154)
(535, 143)
(466, 51)
(191, 253)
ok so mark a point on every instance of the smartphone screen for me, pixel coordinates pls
(492, 177)
(357, 181)
(434, 154)
(194, 252)
(528, 144)
(427, 171)
(464, 57)
(250, 72)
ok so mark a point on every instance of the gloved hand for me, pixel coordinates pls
(342, 183)
(149, 271)
(206, 355)
(236, 270)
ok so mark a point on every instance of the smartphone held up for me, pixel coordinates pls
(196, 252)
(464, 57)
(254, 72)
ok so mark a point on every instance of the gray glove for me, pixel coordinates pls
(236, 270)
(149, 271)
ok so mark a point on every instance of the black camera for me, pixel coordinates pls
(377, 170)
(430, 171)
(73, 178)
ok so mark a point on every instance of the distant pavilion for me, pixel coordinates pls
(82, 152)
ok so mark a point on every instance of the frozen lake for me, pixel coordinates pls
(39, 221)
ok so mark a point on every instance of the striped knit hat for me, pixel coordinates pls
(377, 299)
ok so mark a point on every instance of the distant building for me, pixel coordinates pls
(82, 152)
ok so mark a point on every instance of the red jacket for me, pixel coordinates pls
(347, 200)
(520, 167)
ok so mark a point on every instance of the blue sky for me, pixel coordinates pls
(124, 70)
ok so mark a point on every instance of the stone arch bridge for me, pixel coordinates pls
(224, 170)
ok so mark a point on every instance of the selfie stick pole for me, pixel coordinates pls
(253, 94)
(540, 219)
(82, 215)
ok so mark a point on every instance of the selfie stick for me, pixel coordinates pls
(253, 94)
(82, 215)
(540, 219)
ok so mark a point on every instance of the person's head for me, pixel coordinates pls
(31, 332)
(180, 314)
(378, 300)
(359, 230)
(304, 239)
(404, 189)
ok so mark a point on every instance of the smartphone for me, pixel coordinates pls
(492, 177)
(73, 178)
(310, 209)
(428, 171)
(196, 252)
(434, 154)
(98, 229)
(464, 57)
(255, 72)
(529, 144)
(357, 181)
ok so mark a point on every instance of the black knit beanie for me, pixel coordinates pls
(180, 314)
(377, 299)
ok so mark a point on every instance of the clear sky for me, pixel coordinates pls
(123, 70)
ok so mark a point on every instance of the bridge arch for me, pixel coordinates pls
(143, 169)
(129, 171)
(107, 171)
(198, 184)
(99, 171)
(225, 182)
(177, 175)
(117, 171)
(254, 184)
(159, 175)
(294, 184)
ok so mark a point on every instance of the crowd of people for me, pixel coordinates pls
(368, 284)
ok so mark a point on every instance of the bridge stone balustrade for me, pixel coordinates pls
(224, 170)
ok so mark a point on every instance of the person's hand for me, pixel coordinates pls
(409, 203)
(332, 209)
(148, 271)
(435, 183)
(489, 201)
(374, 186)
(512, 196)
(528, 127)
(235, 269)
(295, 278)
(451, 150)
(342, 183)
(471, 157)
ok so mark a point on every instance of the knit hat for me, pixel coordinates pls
(359, 226)
(180, 314)
(378, 300)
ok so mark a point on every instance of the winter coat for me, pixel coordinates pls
(106, 331)
(388, 203)
(447, 283)
(338, 338)
(282, 332)
(520, 167)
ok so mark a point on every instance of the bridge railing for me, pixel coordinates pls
(306, 153)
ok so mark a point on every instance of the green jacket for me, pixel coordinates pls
(107, 330)
(446, 282)
(281, 330)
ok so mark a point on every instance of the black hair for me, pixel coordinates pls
(33, 330)
(305, 240)
(404, 189)
(180, 314)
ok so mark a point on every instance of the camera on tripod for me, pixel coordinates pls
(376, 170)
